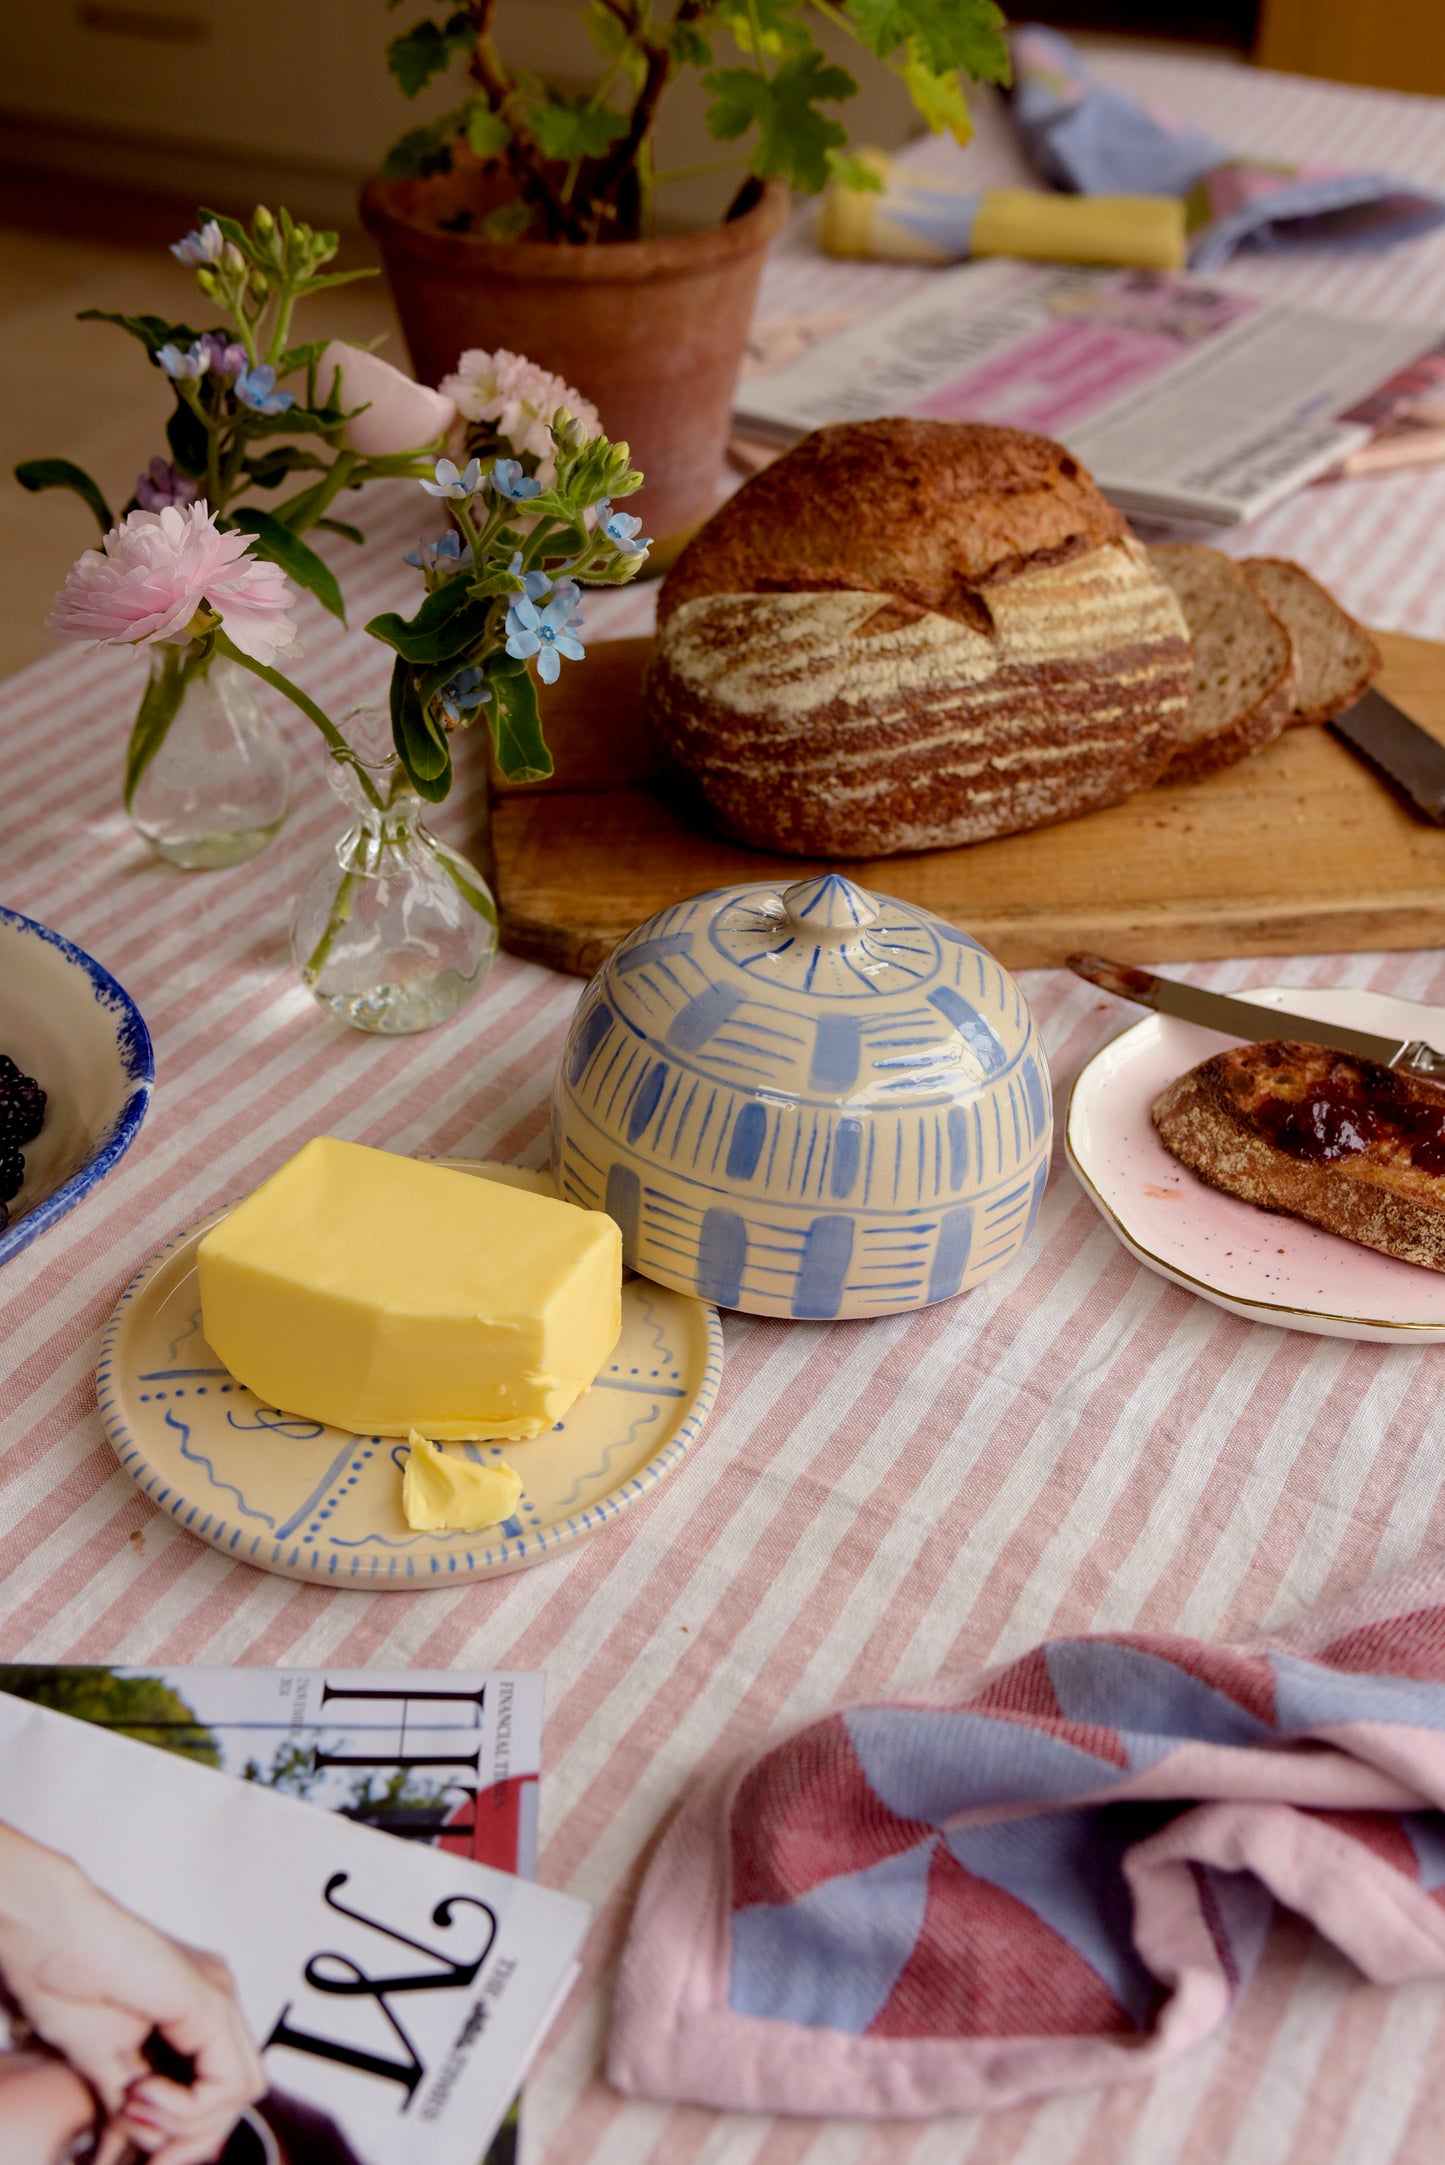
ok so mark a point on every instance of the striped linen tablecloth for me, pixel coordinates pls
(1077, 1445)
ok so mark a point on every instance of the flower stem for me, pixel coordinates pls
(315, 962)
(339, 748)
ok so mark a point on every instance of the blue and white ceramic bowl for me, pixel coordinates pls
(67, 1022)
(813, 1102)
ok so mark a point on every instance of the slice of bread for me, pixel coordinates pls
(1241, 676)
(1335, 658)
(1319, 1135)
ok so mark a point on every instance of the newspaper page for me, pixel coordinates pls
(384, 2038)
(1186, 401)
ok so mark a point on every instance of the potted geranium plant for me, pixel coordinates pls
(527, 216)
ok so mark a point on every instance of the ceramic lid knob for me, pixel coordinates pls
(828, 904)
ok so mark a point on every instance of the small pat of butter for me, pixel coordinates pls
(443, 1493)
(377, 1293)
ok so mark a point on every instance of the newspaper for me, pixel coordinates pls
(1187, 401)
(397, 1988)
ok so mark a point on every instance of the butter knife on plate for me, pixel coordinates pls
(1387, 739)
(1252, 1021)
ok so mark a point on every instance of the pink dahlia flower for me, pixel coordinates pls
(156, 571)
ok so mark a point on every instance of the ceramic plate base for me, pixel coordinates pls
(1267, 1268)
(315, 1503)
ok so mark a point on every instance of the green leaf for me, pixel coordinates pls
(856, 173)
(301, 357)
(942, 34)
(794, 137)
(422, 750)
(568, 128)
(341, 278)
(271, 468)
(487, 133)
(424, 150)
(186, 434)
(767, 27)
(940, 99)
(508, 222)
(516, 726)
(448, 622)
(279, 545)
(340, 526)
(38, 474)
(152, 331)
(617, 45)
(417, 55)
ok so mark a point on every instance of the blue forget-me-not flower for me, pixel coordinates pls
(509, 480)
(462, 695)
(449, 482)
(256, 388)
(546, 633)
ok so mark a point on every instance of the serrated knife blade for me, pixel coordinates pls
(1388, 740)
(1252, 1021)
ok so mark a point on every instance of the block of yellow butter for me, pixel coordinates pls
(381, 1294)
(443, 1492)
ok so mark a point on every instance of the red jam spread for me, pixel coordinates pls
(1350, 1108)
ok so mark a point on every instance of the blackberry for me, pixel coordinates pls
(12, 1173)
(22, 1106)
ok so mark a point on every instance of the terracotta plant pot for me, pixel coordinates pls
(651, 331)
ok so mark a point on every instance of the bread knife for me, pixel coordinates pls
(1398, 748)
(1251, 1021)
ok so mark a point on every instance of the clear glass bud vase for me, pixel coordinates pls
(396, 931)
(206, 779)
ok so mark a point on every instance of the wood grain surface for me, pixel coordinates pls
(1299, 849)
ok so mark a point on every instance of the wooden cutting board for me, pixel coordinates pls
(1298, 850)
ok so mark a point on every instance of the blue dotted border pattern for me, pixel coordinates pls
(390, 1572)
(138, 1065)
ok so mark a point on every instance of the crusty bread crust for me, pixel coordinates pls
(1329, 642)
(1226, 618)
(1377, 1197)
(926, 511)
(819, 724)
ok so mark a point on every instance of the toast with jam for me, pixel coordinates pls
(1342, 1143)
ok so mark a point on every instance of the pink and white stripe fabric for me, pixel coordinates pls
(1078, 1446)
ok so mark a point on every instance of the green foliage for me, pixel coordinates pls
(422, 52)
(38, 474)
(281, 546)
(515, 723)
(142, 1706)
(583, 166)
(152, 331)
(574, 128)
(942, 35)
(794, 137)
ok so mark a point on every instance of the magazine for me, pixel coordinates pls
(1186, 400)
(395, 1989)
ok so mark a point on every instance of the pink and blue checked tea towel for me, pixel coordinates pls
(1056, 1878)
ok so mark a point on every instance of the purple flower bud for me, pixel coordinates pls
(223, 356)
(162, 485)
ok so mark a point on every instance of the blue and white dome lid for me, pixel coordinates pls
(818, 992)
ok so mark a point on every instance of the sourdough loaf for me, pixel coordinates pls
(905, 634)
(1336, 660)
(1242, 669)
(1343, 1143)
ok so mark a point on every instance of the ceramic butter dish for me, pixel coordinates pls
(815, 1103)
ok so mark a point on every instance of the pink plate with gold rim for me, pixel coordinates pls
(1257, 1264)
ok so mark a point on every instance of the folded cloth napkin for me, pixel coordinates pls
(1055, 1878)
(1088, 138)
